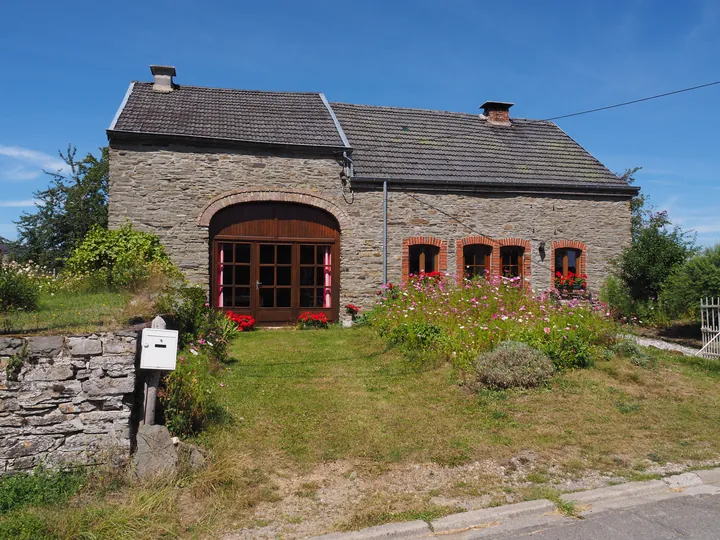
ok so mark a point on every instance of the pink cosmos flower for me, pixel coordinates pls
(546, 330)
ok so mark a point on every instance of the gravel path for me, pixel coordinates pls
(660, 344)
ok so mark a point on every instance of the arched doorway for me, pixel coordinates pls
(275, 260)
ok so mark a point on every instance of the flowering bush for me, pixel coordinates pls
(123, 257)
(18, 291)
(313, 320)
(352, 310)
(244, 323)
(471, 317)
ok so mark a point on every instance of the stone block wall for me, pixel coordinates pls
(66, 399)
(166, 190)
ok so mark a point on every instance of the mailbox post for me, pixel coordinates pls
(158, 353)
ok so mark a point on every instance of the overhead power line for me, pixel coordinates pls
(634, 101)
(460, 135)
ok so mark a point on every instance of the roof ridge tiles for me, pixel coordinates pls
(244, 90)
(436, 111)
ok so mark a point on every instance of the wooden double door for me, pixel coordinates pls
(275, 261)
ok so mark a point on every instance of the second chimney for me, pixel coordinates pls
(163, 78)
(497, 112)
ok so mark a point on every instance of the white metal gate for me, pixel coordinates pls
(710, 325)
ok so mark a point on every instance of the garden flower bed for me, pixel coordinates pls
(462, 318)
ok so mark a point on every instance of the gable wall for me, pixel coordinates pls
(164, 190)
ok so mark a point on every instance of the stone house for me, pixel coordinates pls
(282, 202)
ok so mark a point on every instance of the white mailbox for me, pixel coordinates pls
(159, 349)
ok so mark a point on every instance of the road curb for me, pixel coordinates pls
(632, 489)
(536, 512)
(407, 529)
(478, 519)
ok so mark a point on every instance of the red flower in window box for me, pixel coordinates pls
(428, 277)
(313, 320)
(245, 323)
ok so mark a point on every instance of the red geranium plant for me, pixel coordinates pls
(570, 280)
(352, 310)
(245, 323)
(313, 320)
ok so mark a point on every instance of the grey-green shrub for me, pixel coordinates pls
(627, 348)
(512, 364)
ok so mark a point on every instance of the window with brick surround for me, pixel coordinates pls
(423, 258)
(568, 256)
(511, 261)
(566, 260)
(476, 260)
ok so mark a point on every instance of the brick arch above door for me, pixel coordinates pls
(293, 196)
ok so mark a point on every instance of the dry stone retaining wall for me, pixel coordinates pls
(66, 399)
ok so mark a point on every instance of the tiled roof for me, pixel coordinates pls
(416, 144)
(286, 118)
(411, 145)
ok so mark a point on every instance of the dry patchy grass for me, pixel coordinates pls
(331, 430)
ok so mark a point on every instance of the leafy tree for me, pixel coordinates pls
(698, 278)
(657, 249)
(66, 210)
(639, 208)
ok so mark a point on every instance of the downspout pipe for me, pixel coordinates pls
(385, 234)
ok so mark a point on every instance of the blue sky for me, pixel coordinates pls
(65, 66)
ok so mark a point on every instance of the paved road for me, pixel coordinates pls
(693, 517)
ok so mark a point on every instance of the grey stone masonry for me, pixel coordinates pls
(66, 400)
(169, 190)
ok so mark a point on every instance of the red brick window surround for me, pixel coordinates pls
(469, 252)
(429, 251)
(567, 256)
(515, 258)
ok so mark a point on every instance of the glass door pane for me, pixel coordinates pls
(275, 276)
(233, 275)
(315, 276)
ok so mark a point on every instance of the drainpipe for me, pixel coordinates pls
(385, 237)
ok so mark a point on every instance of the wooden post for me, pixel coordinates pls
(152, 381)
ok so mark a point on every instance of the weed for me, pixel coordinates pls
(14, 365)
(40, 487)
(566, 507)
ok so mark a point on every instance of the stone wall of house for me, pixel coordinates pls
(166, 190)
(65, 399)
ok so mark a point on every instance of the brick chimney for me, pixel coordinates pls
(497, 112)
(163, 78)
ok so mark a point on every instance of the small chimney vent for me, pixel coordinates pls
(497, 112)
(163, 78)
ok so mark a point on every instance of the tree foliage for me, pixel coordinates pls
(698, 278)
(657, 248)
(66, 210)
(638, 208)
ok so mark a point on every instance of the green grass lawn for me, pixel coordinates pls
(74, 312)
(306, 397)
(330, 430)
